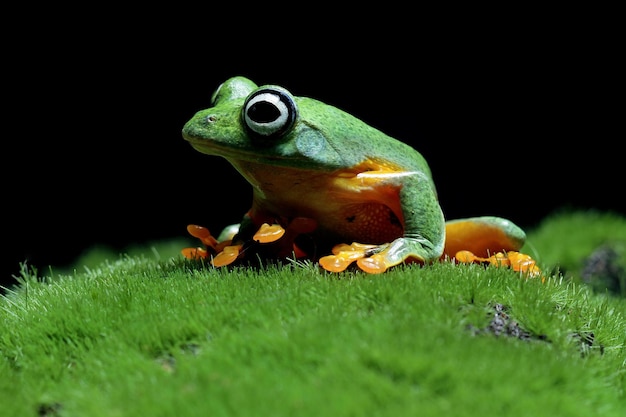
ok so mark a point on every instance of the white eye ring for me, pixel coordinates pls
(269, 111)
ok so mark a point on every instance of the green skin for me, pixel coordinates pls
(310, 168)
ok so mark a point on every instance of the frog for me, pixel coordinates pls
(329, 187)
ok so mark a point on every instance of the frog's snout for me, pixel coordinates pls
(195, 131)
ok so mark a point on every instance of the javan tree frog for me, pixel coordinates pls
(321, 177)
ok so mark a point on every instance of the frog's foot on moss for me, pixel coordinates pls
(223, 252)
(344, 255)
(515, 260)
(373, 259)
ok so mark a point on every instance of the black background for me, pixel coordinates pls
(516, 118)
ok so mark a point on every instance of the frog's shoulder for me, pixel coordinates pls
(357, 140)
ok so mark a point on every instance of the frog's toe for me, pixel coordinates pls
(374, 264)
(522, 262)
(344, 255)
(211, 244)
(335, 263)
(269, 233)
(203, 234)
(517, 261)
(226, 256)
(194, 253)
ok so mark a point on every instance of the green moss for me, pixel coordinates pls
(587, 246)
(156, 335)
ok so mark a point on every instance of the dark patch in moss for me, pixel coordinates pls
(603, 270)
(49, 410)
(586, 341)
(502, 325)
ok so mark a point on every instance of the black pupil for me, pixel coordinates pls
(263, 112)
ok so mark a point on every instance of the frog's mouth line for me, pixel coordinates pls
(234, 153)
(225, 151)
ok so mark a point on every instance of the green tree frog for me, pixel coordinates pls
(329, 187)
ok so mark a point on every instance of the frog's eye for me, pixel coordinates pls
(269, 111)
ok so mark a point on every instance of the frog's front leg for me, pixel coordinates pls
(212, 245)
(238, 236)
(423, 238)
(271, 239)
(224, 249)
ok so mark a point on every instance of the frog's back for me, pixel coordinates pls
(357, 141)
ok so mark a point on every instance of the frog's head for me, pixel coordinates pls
(268, 125)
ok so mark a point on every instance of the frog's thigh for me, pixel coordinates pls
(483, 236)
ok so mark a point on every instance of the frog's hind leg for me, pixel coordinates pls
(483, 236)
(490, 240)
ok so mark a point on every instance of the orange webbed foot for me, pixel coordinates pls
(517, 261)
(282, 238)
(344, 255)
(194, 253)
(269, 233)
(226, 254)
(204, 235)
